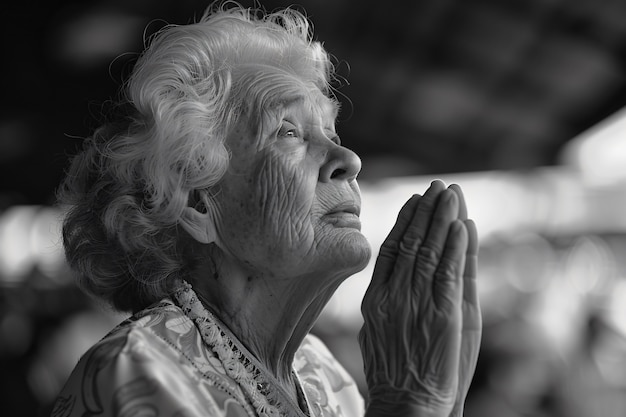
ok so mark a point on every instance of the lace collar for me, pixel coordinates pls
(266, 396)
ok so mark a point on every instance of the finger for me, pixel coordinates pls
(470, 292)
(448, 281)
(462, 206)
(472, 248)
(405, 216)
(418, 228)
(430, 252)
(404, 272)
(389, 248)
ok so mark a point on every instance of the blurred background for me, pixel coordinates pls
(519, 101)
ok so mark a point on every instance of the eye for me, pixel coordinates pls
(289, 131)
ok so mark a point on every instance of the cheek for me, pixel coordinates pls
(285, 194)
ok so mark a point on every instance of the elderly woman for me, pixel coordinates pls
(220, 208)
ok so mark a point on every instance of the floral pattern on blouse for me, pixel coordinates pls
(156, 364)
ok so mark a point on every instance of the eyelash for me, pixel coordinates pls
(288, 128)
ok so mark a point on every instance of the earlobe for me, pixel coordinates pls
(200, 226)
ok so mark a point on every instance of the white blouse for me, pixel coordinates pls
(178, 360)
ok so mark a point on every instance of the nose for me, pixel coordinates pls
(341, 164)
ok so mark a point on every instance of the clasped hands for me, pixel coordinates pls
(422, 328)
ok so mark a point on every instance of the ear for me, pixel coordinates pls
(200, 226)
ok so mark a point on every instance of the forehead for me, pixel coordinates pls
(267, 92)
(312, 103)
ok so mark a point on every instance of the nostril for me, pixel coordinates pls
(338, 172)
(341, 165)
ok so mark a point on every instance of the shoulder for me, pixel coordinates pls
(330, 389)
(154, 362)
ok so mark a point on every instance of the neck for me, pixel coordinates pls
(270, 315)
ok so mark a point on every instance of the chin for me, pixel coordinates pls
(352, 252)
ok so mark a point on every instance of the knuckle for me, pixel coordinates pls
(366, 304)
(362, 335)
(428, 257)
(365, 310)
(404, 249)
(409, 244)
(372, 303)
(448, 269)
(388, 247)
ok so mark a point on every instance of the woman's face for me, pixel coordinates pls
(290, 203)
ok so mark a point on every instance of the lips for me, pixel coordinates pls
(345, 215)
(348, 207)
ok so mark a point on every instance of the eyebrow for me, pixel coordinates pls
(328, 106)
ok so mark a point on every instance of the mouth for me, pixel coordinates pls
(345, 215)
(349, 208)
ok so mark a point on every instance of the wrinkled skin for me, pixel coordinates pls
(283, 231)
(278, 193)
(422, 327)
(278, 246)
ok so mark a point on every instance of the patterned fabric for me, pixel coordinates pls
(157, 364)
